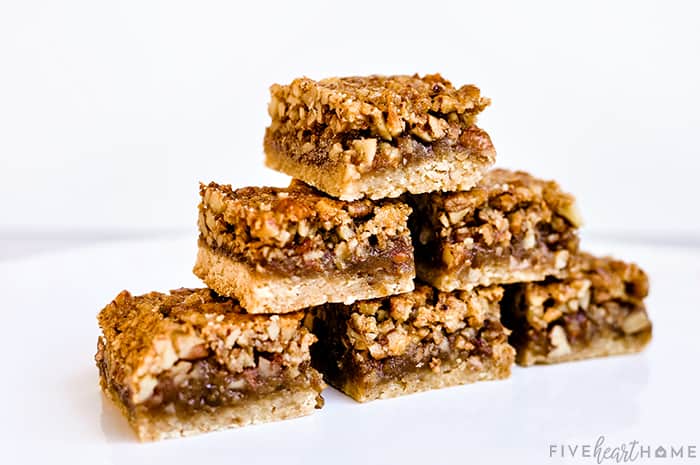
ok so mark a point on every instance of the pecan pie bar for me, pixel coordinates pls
(511, 227)
(378, 136)
(595, 310)
(192, 361)
(283, 249)
(421, 340)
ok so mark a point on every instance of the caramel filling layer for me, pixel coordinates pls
(495, 238)
(207, 385)
(369, 153)
(395, 256)
(340, 364)
(566, 327)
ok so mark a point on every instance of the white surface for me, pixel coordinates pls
(53, 411)
(111, 112)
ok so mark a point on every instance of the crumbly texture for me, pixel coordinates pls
(425, 339)
(378, 136)
(511, 227)
(280, 405)
(265, 293)
(173, 361)
(280, 249)
(386, 106)
(597, 309)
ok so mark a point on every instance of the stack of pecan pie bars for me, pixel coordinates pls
(396, 261)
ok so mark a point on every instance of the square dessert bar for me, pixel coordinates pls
(595, 310)
(190, 361)
(421, 340)
(511, 227)
(378, 136)
(283, 249)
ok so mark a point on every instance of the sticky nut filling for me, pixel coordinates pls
(376, 122)
(193, 350)
(384, 338)
(361, 154)
(508, 216)
(384, 106)
(297, 230)
(198, 384)
(603, 299)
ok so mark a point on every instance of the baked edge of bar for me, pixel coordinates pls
(451, 374)
(600, 347)
(456, 172)
(259, 294)
(273, 407)
(489, 276)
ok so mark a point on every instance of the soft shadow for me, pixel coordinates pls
(114, 425)
(602, 392)
(90, 410)
(334, 397)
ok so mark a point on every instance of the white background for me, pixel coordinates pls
(111, 112)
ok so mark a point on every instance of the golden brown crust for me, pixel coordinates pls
(385, 106)
(192, 350)
(378, 136)
(510, 226)
(276, 406)
(420, 340)
(595, 308)
(447, 374)
(600, 347)
(268, 293)
(352, 168)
